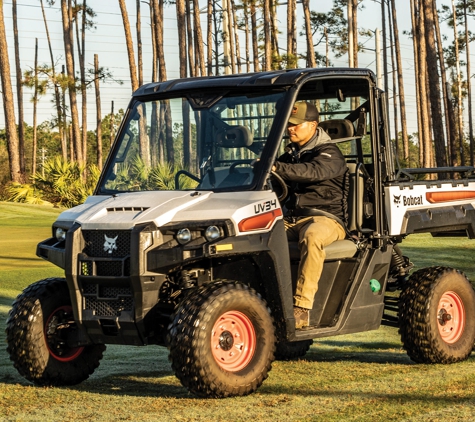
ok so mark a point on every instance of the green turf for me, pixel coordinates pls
(359, 377)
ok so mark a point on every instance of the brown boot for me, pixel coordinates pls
(301, 316)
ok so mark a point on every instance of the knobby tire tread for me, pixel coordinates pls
(26, 340)
(419, 331)
(188, 342)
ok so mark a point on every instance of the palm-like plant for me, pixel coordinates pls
(61, 183)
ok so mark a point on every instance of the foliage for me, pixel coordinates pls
(138, 176)
(60, 182)
(26, 193)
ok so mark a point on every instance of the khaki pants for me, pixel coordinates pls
(313, 234)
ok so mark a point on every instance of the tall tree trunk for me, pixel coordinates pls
(291, 34)
(138, 27)
(98, 112)
(434, 86)
(216, 38)
(144, 141)
(247, 36)
(267, 40)
(198, 37)
(181, 21)
(274, 34)
(402, 98)
(130, 46)
(459, 89)
(189, 33)
(425, 144)
(154, 46)
(393, 65)
(156, 150)
(209, 38)
(236, 36)
(450, 122)
(19, 92)
(35, 106)
(81, 42)
(469, 82)
(57, 94)
(69, 55)
(165, 111)
(8, 108)
(351, 51)
(255, 49)
(311, 62)
(230, 30)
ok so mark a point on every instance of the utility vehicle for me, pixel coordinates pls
(183, 243)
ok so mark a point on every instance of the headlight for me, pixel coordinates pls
(60, 234)
(212, 233)
(183, 236)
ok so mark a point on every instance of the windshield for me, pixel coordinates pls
(199, 142)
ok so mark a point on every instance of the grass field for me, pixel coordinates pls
(364, 376)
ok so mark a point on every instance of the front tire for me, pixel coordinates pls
(40, 327)
(437, 316)
(222, 340)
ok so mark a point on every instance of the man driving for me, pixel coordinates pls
(317, 175)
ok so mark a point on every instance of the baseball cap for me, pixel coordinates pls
(303, 112)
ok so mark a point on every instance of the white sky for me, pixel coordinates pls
(108, 41)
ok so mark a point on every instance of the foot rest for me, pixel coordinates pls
(337, 250)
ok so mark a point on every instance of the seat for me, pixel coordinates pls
(345, 248)
(338, 129)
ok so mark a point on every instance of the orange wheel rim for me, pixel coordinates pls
(233, 341)
(451, 317)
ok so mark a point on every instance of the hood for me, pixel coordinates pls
(124, 211)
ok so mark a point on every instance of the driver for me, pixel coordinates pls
(316, 173)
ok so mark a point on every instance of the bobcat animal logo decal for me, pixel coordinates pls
(397, 200)
(109, 244)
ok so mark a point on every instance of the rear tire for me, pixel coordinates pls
(437, 316)
(39, 326)
(222, 340)
(292, 350)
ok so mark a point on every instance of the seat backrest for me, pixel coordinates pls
(234, 137)
(355, 197)
(338, 128)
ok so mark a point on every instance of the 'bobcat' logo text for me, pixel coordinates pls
(109, 244)
(408, 200)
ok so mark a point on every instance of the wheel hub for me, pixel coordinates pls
(226, 340)
(444, 317)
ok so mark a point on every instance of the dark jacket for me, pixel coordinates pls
(317, 175)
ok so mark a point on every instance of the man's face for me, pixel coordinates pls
(302, 133)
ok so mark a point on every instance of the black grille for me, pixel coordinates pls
(104, 268)
(107, 300)
(109, 307)
(107, 243)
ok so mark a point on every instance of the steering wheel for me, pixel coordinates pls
(233, 166)
(279, 186)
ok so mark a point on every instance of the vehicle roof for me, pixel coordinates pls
(259, 79)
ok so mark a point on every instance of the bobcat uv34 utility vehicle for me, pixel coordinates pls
(183, 243)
